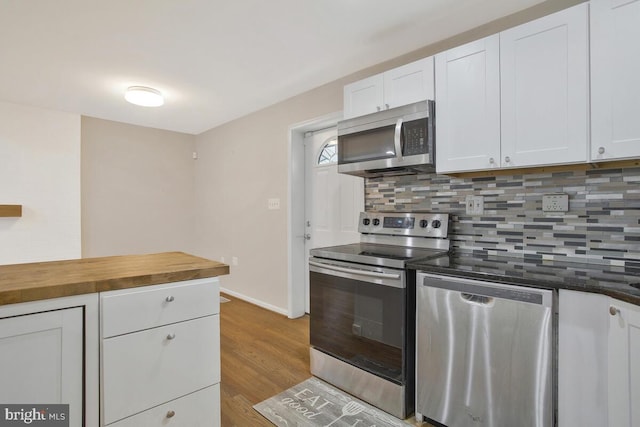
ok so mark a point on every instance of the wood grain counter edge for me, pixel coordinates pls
(54, 279)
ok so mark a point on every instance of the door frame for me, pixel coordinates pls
(296, 211)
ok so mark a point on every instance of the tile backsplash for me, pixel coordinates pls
(602, 225)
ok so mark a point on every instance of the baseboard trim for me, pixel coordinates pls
(254, 301)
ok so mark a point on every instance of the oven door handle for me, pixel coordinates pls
(354, 271)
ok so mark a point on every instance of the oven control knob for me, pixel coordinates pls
(366, 221)
(424, 223)
(376, 221)
(436, 223)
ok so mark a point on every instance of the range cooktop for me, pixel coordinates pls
(393, 239)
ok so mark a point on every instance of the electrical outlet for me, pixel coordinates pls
(555, 202)
(234, 260)
(474, 205)
(222, 259)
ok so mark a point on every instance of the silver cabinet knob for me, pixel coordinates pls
(614, 310)
(171, 414)
(386, 106)
(378, 108)
(307, 236)
(507, 159)
(492, 160)
(170, 298)
(601, 150)
(171, 336)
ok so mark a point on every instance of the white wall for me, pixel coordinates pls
(39, 169)
(137, 189)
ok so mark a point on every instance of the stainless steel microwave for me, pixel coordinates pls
(397, 141)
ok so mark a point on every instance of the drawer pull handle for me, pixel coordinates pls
(171, 336)
(170, 298)
(170, 414)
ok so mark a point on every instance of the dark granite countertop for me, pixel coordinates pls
(622, 283)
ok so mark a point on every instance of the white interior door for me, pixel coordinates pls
(333, 201)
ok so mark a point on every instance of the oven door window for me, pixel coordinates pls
(358, 322)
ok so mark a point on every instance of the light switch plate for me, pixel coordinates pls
(555, 202)
(273, 204)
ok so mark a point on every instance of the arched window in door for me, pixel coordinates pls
(329, 153)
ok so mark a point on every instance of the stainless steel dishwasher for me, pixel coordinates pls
(485, 353)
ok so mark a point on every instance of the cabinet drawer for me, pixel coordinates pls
(145, 369)
(150, 306)
(199, 409)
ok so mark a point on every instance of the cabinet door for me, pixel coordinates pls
(615, 85)
(410, 83)
(583, 329)
(624, 371)
(363, 97)
(468, 106)
(41, 359)
(544, 90)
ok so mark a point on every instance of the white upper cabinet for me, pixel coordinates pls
(515, 99)
(408, 84)
(544, 81)
(404, 85)
(364, 96)
(468, 106)
(615, 81)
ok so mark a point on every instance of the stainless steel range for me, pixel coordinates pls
(362, 320)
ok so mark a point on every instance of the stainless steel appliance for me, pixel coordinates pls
(362, 319)
(484, 353)
(395, 141)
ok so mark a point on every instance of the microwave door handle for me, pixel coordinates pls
(396, 139)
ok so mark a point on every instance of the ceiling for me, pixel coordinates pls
(213, 60)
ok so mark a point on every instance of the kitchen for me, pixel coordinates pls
(112, 223)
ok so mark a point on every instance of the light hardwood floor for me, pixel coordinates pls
(262, 354)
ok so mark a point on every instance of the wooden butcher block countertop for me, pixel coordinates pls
(43, 280)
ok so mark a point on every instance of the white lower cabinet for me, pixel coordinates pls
(160, 356)
(582, 359)
(42, 356)
(598, 351)
(624, 368)
(199, 409)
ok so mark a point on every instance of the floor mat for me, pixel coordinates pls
(316, 403)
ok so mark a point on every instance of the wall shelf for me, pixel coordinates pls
(10, 210)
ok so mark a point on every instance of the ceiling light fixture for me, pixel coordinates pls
(144, 96)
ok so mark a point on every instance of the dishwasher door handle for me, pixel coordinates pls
(476, 299)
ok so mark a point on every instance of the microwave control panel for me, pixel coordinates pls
(415, 137)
